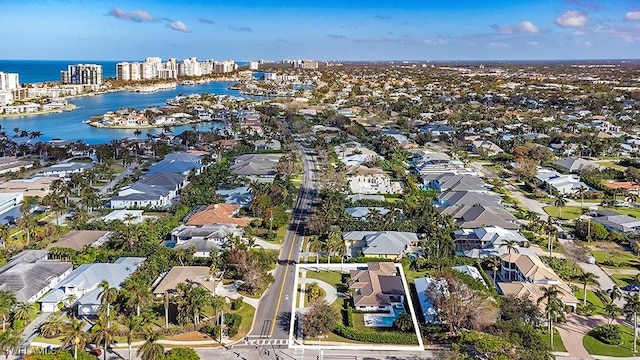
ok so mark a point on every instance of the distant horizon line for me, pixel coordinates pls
(372, 61)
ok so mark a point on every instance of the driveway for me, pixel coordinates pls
(31, 331)
(573, 331)
(604, 281)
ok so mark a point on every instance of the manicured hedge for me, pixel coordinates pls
(378, 337)
(233, 321)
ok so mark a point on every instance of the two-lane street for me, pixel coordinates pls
(273, 314)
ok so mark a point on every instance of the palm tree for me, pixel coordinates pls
(74, 334)
(631, 308)
(7, 302)
(107, 296)
(554, 307)
(494, 264)
(581, 191)
(138, 293)
(166, 309)
(511, 245)
(134, 325)
(218, 304)
(52, 327)
(403, 322)
(584, 278)
(27, 222)
(560, 203)
(616, 293)
(151, 350)
(9, 342)
(315, 244)
(104, 333)
(612, 310)
(23, 310)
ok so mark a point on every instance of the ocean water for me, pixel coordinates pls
(35, 71)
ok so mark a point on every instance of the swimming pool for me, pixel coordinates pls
(383, 320)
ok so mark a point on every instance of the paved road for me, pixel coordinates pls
(274, 312)
(31, 331)
(109, 186)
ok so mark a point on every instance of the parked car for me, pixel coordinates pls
(632, 287)
(591, 259)
(95, 352)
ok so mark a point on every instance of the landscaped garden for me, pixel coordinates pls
(617, 342)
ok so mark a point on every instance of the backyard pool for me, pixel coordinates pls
(383, 320)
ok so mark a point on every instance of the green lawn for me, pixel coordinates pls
(568, 212)
(591, 298)
(631, 211)
(612, 165)
(412, 275)
(623, 280)
(330, 277)
(622, 258)
(558, 345)
(596, 347)
(247, 312)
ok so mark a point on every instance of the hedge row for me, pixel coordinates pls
(233, 321)
(378, 337)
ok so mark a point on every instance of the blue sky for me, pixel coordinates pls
(324, 30)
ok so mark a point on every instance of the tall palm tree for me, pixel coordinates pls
(616, 293)
(218, 305)
(612, 310)
(585, 278)
(581, 191)
(554, 307)
(138, 293)
(551, 229)
(494, 264)
(9, 342)
(560, 202)
(107, 296)
(316, 244)
(134, 325)
(7, 302)
(74, 334)
(166, 301)
(52, 327)
(105, 333)
(511, 245)
(151, 350)
(631, 308)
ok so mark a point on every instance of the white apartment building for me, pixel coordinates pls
(305, 64)
(224, 66)
(253, 65)
(83, 74)
(9, 81)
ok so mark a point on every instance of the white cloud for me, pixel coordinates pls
(498, 45)
(626, 33)
(179, 26)
(572, 18)
(135, 15)
(632, 15)
(533, 43)
(436, 42)
(523, 27)
(142, 15)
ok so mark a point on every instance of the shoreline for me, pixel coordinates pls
(68, 108)
(124, 127)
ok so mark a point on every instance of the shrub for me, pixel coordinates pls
(586, 310)
(237, 303)
(17, 324)
(378, 337)
(181, 354)
(609, 334)
(233, 322)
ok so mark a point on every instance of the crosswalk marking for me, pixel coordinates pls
(263, 342)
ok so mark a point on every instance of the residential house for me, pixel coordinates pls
(377, 288)
(363, 213)
(10, 206)
(126, 216)
(353, 153)
(257, 167)
(424, 284)
(268, 145)
(357, 197)
(485, 147)
(152, 190)
(65, 169)
(194, 275)
(241, 196)
(178, 163)
(29, 275)
(477, 215)
(394, 133)
(564, 184)
(218, 214)
(575, 165)
(457, 198)
(527, 275)
(452, 182)
(39, 186)
(438, 129)
(204, 238)
(78, 239)
(374, 184)
(383, 244)
(81, 287)
(615, 221)
(487, 241)
(12, 164)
